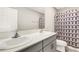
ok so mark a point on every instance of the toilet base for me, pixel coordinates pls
(71, 49)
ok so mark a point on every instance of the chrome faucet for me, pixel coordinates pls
(16, 35)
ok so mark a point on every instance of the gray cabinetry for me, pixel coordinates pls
(49, 40)
(34, 48)
(50, 47)
(47, 45)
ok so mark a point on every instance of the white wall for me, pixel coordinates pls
(38, 9)
(8, 22)
(49, 18)
(8, 19)
(27, 19)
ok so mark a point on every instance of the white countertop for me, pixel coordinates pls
(32, 42)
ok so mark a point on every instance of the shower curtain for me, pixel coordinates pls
(67, 26)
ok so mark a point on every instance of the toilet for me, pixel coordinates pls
(60, 45)
(71, 49)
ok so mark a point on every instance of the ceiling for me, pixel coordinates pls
(42, 9)
(38, 9)
(58, 8)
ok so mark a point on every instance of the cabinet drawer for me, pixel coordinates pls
(35, 48)
(51, 47)
(48, 40)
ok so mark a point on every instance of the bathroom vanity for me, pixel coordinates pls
(37, 42)
(47, 45)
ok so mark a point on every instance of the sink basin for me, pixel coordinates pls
(15, 42)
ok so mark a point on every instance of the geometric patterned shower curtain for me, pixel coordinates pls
(67, 27)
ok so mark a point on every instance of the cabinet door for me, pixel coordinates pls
(51, 47)
(48, 40)
(35, 48)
